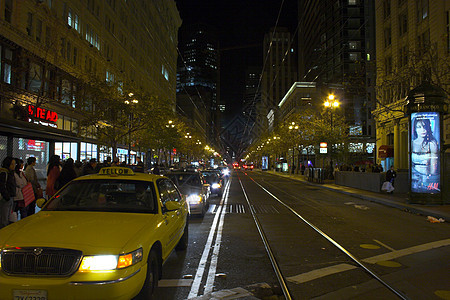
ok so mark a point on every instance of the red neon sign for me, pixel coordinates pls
(42, 113)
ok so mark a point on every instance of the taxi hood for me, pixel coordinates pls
(86, 231)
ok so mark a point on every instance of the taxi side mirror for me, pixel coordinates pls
(40, 202)
(172, 205)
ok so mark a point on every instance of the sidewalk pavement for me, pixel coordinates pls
(393, 200)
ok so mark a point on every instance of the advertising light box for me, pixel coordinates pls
(425, 153)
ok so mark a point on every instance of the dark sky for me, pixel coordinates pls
(239, 23)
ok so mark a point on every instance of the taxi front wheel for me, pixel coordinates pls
(151, 280)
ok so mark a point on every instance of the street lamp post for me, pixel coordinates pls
(331, 103)
(130, 119)
(294, 127)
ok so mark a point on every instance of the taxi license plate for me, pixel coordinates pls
(30, 295)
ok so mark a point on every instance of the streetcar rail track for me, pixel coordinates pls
(273, 260)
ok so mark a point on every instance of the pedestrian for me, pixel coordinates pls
(21, 182)
(390, 176)
(7, 189)
(67, 173)
(78, 167)
(139, 165)
(156, 170)
(30, 174)
(90, 168)
(115, 162)
(53, 173)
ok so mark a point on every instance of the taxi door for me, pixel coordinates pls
(171, 219)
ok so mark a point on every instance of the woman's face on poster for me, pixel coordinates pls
(420, 130)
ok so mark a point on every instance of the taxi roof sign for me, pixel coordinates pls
(116, 171)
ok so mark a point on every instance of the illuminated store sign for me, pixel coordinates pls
(42, 116)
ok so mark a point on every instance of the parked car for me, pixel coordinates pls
(102, 236)
(192, 185)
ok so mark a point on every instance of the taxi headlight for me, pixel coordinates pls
(194, 199)
(110, 262)
(216, 185)
(98, 263)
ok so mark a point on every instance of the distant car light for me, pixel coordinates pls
(225, 172)
(216, 186)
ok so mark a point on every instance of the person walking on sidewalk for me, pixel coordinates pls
(53, 173)
(390, 176)
(30, 174)
(21, 182)
(7, 189)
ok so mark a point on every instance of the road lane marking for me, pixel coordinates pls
(203, 260)
(389, 264)
(174, 282)
(318, 273)
(407, 251)
(369, 246)
(215, 255)
(384, 245)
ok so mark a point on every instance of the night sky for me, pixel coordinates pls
(240, 25)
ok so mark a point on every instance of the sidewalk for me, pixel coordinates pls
(393, 200)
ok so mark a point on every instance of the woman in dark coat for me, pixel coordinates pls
(7, 189)
(67, 173)
(53, 172)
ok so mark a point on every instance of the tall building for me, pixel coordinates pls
(279, 72)
(252, 96)
(47, 49)
(198, 75)
(336, 46)
(413, 46)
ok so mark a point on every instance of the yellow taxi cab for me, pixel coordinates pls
(102, 236)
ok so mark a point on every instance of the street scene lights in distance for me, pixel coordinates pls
(293, 126)
(170, 124)
(331, 102)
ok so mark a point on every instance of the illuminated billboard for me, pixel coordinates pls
(425, 153)
(265, 163)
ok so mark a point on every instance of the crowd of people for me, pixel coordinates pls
(15, 175)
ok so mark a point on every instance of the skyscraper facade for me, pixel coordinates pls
(198, 74)
(279, 71)
(336, 45)
(48, 49)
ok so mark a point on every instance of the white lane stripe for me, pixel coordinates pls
(406, 251)
(215, 255)
(308, 276)
(202, 264)
(174, 282)
(384, 245)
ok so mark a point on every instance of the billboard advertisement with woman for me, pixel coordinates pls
(425, 136)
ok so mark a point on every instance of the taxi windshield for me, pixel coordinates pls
(109, 195)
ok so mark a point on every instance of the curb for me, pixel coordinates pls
(403, 206)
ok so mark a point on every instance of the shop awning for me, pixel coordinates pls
(386, 151)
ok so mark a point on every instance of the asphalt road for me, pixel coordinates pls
(326, 245)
